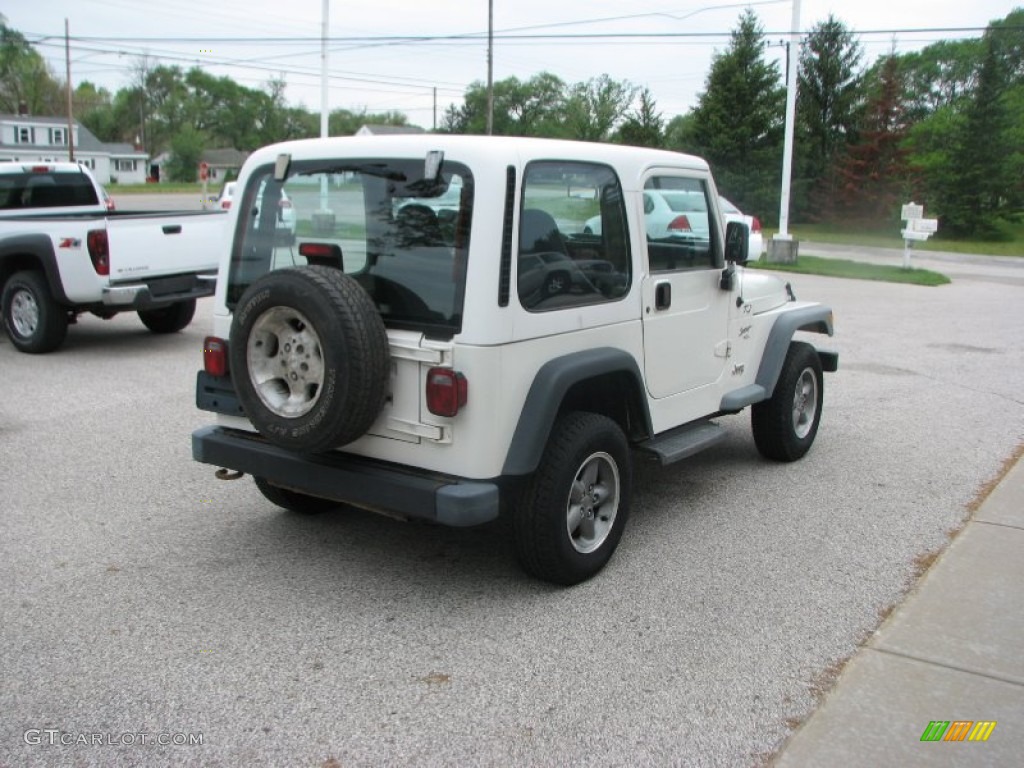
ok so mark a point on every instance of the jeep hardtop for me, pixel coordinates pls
(440, 338)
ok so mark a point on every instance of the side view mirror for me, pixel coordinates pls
(737, 242)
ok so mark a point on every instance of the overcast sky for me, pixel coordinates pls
(283, 40)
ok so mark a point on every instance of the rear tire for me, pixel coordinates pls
(34, 321)
(571, 515)
(785, 425)
(294, 501)
(169, 319)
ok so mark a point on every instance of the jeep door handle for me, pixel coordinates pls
(663, 295)
(172, 229)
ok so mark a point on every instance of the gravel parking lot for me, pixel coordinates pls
(143, 600)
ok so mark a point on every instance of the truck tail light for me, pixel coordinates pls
(447, 391)
(680, 224)
(284, 203)
(215, 356)
(99, 250)
(755, 225)
(225, 204)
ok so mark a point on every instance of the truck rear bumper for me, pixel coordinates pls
(355, 480)
(160, 292)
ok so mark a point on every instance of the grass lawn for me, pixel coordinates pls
(163, 189)
(814, 265)
(1013, 246)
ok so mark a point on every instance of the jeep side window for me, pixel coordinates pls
(573, 237)
(679, 231)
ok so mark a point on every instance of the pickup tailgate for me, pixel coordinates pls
(149, 245)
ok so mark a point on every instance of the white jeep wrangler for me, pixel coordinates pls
(439, 338)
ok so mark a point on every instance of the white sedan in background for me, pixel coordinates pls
(285, 211)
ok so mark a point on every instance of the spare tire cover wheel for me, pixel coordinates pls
(309, 358)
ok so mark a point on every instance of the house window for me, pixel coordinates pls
(25, 135)
(125, 165)
(58, 135)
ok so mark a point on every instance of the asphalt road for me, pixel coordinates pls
(140, 595)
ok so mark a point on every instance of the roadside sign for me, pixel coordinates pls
(930, 226)
(912, 234)
(911, 211)
(204, 171)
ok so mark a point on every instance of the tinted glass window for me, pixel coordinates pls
(573, 238)
(45, 190)
(679, 231)
(403, 238)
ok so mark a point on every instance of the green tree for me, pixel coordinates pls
(973, 196)
(186, 149)
(737, 124)
(593, 109)
(643, 124)
(521, 108)
(829, 104)
(25, 79)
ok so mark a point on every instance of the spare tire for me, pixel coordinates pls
(309, 358)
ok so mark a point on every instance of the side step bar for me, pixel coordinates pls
(681, 442)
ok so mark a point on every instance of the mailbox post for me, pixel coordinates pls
(917, 229)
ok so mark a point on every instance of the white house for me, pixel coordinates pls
(31, 138)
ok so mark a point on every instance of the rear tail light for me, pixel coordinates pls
(109, 202)
(284, 204)
(41, 169)
(215, 356)
(447, 391)
(680, 224)
(225, 204)
(756, 225)
(99, 250)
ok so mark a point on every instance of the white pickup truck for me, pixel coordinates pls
(63, 253)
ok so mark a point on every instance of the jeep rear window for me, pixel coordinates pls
(25, 191)
(403, 238)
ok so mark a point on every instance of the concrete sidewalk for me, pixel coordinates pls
(952, 651)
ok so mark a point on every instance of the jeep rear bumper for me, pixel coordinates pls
(355, 480)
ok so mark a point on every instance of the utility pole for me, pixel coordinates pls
(71, 119)
(435, 108)
(490, 67)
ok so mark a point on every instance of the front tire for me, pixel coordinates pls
(294, 501)
(169, 319)
(571, 515)
(34, 321)
(786, 424)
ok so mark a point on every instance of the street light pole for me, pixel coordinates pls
(490, 67)
(782, 247)
(71, 119)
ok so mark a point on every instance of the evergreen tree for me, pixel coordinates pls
(828, 107)
(974, 193)
(642, 126)
(737, 124)
(874, 173)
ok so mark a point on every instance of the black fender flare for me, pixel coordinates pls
(33, 248)
(554, 379)
(816, 318)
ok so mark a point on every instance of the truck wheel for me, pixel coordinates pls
(785, 425)
(571, 516)
(169, 319)
(34, 321)
(294, 501)
(310, 356)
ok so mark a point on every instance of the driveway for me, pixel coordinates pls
(142, 598)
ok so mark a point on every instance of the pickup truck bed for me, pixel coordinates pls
(54, 267)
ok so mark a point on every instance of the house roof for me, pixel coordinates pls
(390, 130)
(87, 141)
(227, 157)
